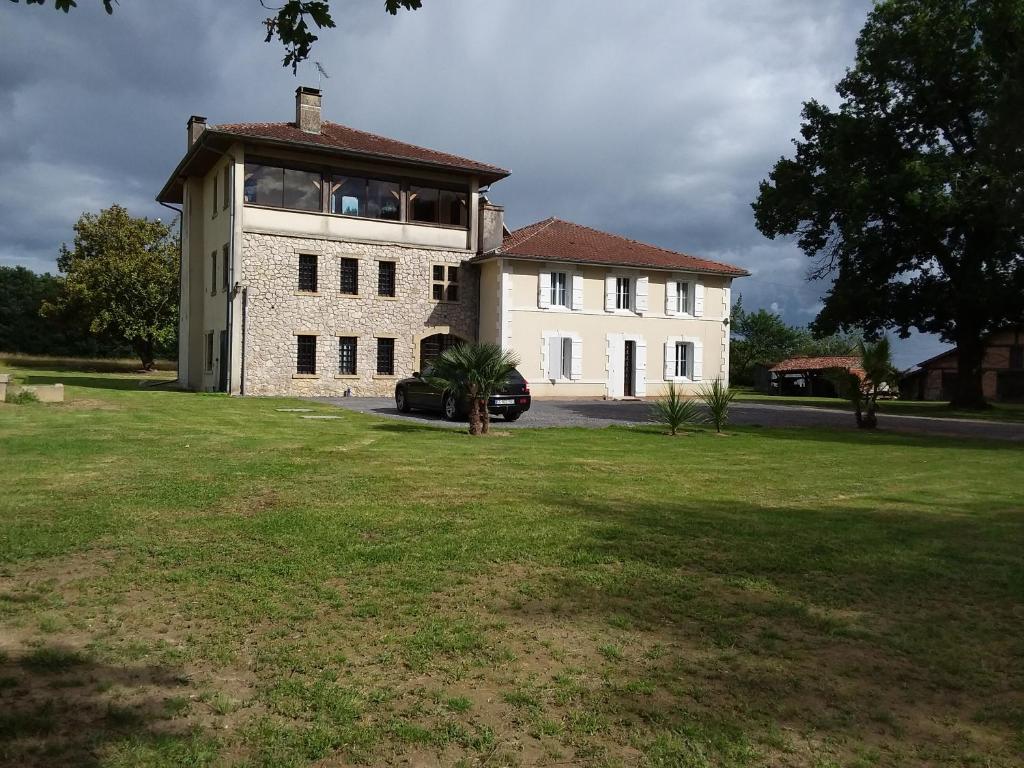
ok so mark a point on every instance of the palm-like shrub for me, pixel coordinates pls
(473, 372)
(879, 376)
(717, 397)
(674, 411)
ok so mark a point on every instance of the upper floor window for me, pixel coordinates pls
(307, 273)
(215, 195)
(679, 297)
(370, 198)
(227, 185)
(225, 256)
(558, 295)
(213, 273)
(622, 293)
(445, 282)
(280, 187)
(349, 276)
(386, 278)
(271, 183)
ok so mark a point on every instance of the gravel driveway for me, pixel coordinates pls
(596, 413)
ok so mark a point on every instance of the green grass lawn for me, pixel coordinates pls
(1013, 412)
(191, 580)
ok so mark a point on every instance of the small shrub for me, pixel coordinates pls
(717, 397)
(22, 397)
(673, 410)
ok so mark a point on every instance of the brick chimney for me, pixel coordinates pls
(307, 109)
(196, 126)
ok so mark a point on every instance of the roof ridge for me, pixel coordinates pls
(541, 226)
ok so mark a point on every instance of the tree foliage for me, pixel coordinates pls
(121, 278)
(763, 338)
(292, 24)
(24, 330)
(910, 196)
(717, 398)
(473, 372)
(675, 410)
(879, 376)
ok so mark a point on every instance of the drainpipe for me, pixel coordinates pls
(229, 297)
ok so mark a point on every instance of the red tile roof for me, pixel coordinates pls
(796, 364)
(345, 139)
(557, 240)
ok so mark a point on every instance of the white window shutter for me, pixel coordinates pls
(641, 367)
(671, 287)
(609, 293)
(698, 360)
(577, 359)
(577, 293)
(670, 360)
(698, 299)
(641, 295)
(554, 357)
(544, 290)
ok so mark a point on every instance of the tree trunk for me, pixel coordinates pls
(474, 416)
(485, 416)
(144, 351)
(970, 351)
(870, 418)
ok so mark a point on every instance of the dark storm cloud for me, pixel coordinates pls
(655, 120)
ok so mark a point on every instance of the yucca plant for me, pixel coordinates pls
(473, 372)
(674, 410)
(879, 375)
(717, 397)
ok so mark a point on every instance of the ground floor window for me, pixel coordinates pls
(385, 357)
(683, 357)
(305, 355)
(209, 352)
(347, 355)
(564, 357)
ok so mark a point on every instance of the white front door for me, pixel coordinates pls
(617, 361)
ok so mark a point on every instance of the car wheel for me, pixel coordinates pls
(512, 415)
(401, 402)
(451, 408)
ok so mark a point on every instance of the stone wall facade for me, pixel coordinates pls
(276, 313)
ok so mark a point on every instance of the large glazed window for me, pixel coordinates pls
(274, 185)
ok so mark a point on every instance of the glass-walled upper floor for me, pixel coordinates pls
(275, 184)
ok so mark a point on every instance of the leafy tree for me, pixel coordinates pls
(473, 372)
(290, 25)
(758, 338)
(879, 376)
(911, 194)
(122, 278)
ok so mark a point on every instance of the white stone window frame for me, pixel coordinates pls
(695, 359)
(639, 291)
(573, 288)
(672, 296)
(318, 352)
(576, 356)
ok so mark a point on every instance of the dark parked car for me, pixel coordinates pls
(511, 402)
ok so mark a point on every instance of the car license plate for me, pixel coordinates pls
(510, 401)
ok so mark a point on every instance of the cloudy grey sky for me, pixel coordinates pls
(650, 119)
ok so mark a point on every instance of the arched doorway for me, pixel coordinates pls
(432, 347)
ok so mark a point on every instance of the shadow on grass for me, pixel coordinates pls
(59, 707)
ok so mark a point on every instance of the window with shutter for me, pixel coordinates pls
(640, 294)
(577, 293)
(557, 289)
(682, 367)
(623, 294)
(698, 300)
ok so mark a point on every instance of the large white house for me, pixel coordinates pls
(318, 259)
